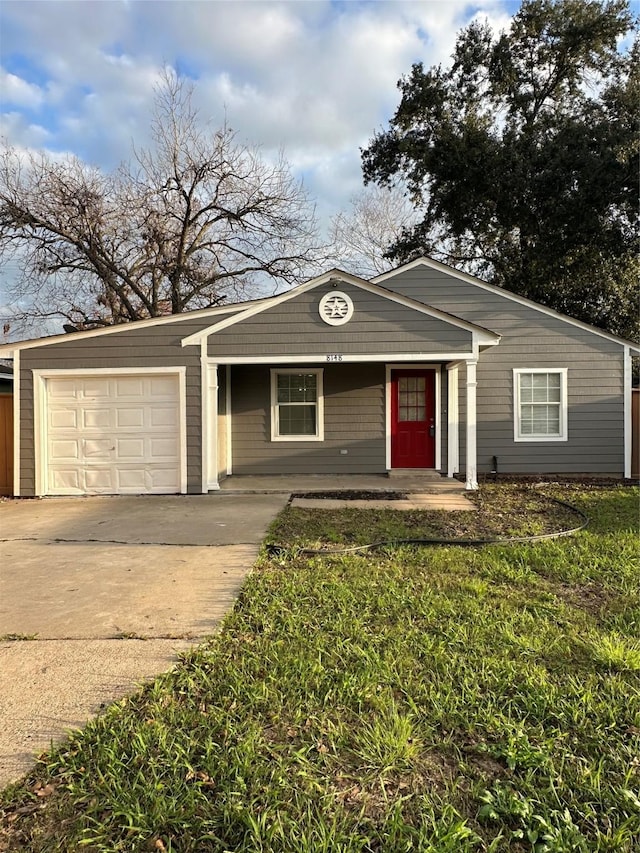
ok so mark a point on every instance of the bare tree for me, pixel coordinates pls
(362, 235)
(187, 223)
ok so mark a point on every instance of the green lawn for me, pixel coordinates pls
(416, 699)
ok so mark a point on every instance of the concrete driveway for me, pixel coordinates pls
(98, 594)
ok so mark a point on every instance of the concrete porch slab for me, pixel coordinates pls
(413, 483)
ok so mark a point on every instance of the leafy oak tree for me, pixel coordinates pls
(522, 158)
(195, 218)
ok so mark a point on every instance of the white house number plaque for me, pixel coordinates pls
(336, 308)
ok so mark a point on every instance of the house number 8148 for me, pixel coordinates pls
(334, 356)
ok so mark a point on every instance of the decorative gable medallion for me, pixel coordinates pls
(336, 308)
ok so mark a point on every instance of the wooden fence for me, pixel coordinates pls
(6, 444)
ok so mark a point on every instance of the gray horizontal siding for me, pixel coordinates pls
(378, 325)
(150, 346)
(353, 421)
(531, 338)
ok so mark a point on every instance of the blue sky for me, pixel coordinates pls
(315, 78)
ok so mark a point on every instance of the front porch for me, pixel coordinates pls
(361, 422)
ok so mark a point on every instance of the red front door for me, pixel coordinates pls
(413, 419)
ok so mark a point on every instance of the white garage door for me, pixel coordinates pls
(112, 435)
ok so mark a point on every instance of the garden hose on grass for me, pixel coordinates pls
(275, 550)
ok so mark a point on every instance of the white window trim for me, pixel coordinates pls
(319, 436)
(564, 432)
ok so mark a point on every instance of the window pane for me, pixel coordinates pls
(297, 387)
(553, 390)
(539, 381)
(540, 420)
(297, 420)
(411, 413)
(283, 387)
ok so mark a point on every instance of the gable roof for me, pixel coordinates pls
(506, 294)
(7, 349)
(485, 336)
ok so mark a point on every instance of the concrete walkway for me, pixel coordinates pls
(101, 594)
(421, 501)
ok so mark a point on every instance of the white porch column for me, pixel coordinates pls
(209, 409)
(453, 425)
(472, 461)
(628, 421)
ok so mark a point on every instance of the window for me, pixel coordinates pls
(412, 398)
(540, 404)
(296, 405)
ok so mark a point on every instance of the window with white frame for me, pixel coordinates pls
(540, 411)
(297, 405)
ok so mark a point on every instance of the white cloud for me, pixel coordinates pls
(16, 128)
(19, 92)
(315, 78)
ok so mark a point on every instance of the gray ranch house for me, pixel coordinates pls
(423, 367)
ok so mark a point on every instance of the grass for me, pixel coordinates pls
(501, 512)
(17, 638)
(422, 699)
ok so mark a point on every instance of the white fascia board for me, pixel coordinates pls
(507, 294)
(8, 350)
(346, 358)
(485, 336)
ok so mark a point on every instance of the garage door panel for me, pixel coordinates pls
(99, 480)
(132, 478)
(96, 389)
(113, 435)
(65, 481)
(65, 449)
(162, 480)
(63, 418)
(161, 386)
(163, 416)
(130, 387)
(97, 449)
(130, 448)
(66, 389)
(163, 448)
(96, 418)
(129, 417)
